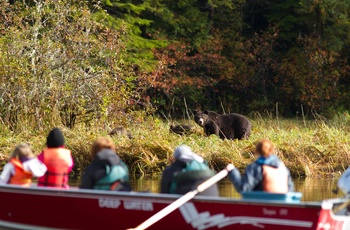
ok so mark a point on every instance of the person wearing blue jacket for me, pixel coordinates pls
(268, 173)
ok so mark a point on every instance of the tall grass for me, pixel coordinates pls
(316, 148)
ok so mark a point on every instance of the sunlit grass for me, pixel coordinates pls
(309, 148)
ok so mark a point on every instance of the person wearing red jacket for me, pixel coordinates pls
(58, 160)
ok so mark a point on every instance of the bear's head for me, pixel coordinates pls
(201, 117)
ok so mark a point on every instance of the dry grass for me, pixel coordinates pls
(309, 148)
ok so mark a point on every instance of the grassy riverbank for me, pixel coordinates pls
(314, 148)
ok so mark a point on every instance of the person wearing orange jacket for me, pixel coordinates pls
(22, 167)
(58, 160)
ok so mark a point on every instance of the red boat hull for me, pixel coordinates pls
(35, 208)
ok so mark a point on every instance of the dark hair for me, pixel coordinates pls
(55, 138)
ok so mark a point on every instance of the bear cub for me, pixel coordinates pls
(226, 126)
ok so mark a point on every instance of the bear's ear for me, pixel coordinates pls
(206, 112)
(197, 111)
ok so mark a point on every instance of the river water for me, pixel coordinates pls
(313, 189)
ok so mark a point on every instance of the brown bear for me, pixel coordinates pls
(227, 126)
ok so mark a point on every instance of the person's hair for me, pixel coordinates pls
(55, 138)
(101, 143)
(22, 150)
(264, 147)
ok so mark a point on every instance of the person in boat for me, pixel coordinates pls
(187, 171)
(58, 160)
(343, 183)
(107, 171)
(22, 167)
(268, 173)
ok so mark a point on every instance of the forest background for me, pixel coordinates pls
(88, 66)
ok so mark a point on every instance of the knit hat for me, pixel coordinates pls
(55, 138)
(184, 153)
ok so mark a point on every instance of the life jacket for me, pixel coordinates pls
(275, 180)
(190, 177)
(57, 163)
(114, 175)
(21, 177)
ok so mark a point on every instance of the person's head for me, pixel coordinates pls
(22, 150)
(101, 143)
(264, 148)
(55, 139)
(185, 154)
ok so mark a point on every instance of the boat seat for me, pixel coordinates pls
(290, 197)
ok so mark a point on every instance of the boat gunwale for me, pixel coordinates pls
(159, 197)
(322, 208)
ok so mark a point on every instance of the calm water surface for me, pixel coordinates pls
(313, 189)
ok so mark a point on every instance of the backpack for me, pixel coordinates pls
(114, 174)
(188, 178)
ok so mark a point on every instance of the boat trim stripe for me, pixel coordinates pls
(11, 225)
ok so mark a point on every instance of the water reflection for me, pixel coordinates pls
(146, 184)
(313, 189)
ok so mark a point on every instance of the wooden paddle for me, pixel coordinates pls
(342, 206)
(188, 196)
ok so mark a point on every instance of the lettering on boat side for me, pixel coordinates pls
(138, 205)
(205, 220)
(269, 212)
(283, 212)
(108, 203)
(325, 226)
(272, 212)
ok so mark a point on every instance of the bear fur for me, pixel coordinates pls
(181, 129)
(226, 126)
(121, 131)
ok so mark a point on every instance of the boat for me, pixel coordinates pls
(49, 208)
